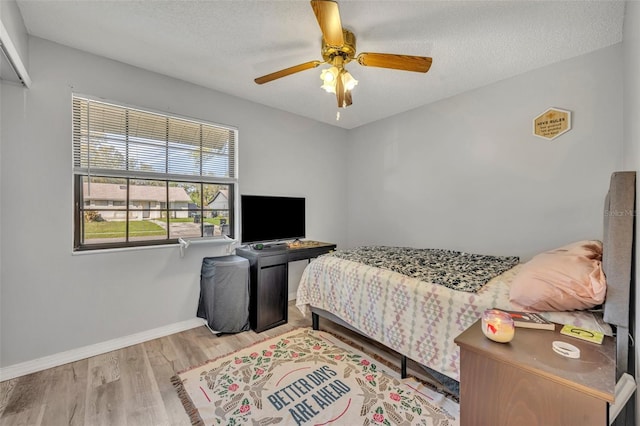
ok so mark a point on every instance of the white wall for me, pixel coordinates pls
(11, 20)
(631, 158)
(53, 301)
(467, 174)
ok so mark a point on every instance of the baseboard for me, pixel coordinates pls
(61, 358)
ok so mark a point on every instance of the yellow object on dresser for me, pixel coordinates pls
(583, 334)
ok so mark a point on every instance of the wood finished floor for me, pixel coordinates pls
(132, 386)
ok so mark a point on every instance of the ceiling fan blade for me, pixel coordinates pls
(397, 62)
(287, 71)
(343, 95)
(347, 98)
(340, 92)
(328, 17)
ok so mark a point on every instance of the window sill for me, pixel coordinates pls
(182, 245)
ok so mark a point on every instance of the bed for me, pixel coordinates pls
(420, 320)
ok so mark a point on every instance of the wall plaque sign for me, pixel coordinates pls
(552, 123)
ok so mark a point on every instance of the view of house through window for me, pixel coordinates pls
(143, 178)
(155, 210)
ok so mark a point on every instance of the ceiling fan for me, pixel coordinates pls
(338, 49)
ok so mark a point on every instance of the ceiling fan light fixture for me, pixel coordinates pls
(329, 77)
(348, 80)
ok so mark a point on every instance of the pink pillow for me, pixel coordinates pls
(565, 279)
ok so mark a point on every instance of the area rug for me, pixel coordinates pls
(307, 377)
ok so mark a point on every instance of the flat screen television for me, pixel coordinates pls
(271, 218)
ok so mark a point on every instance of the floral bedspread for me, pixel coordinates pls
(453, 269)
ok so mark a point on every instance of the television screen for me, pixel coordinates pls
(266, 218)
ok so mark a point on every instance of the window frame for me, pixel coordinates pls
(79, 173)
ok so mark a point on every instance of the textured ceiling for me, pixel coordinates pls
(224, 45)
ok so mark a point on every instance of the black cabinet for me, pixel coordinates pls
(269, 288)
(271, 307)
(269, 283)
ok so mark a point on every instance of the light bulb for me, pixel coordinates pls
(329, 88)
(328, 77)
(348, 81)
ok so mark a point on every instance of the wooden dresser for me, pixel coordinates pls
(526, 383)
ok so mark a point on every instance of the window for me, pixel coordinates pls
(143, 178)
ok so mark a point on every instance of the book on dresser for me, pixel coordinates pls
(530, 320)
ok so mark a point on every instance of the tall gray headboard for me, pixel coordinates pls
(617, 260)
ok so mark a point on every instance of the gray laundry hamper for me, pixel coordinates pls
(224, 293)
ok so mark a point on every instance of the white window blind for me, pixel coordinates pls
(144, 178)
(113, 140)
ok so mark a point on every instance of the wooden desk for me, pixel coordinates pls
(269, 280)
(525, 382)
